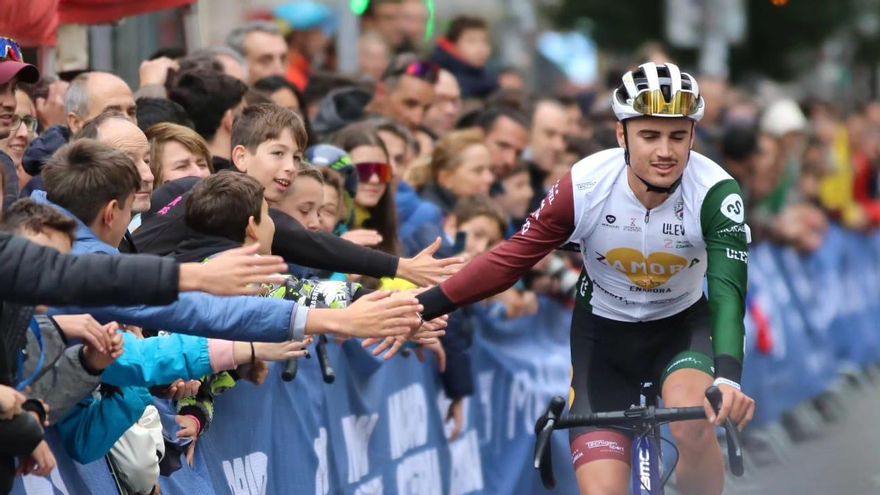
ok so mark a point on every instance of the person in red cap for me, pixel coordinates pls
(12, 70)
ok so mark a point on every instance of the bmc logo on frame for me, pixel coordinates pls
(247, 475)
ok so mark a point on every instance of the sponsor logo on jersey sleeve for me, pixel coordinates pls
(733, 208)
(738, 255)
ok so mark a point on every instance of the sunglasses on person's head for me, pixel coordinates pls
(9, 50)
(426, 71)
(366, 170)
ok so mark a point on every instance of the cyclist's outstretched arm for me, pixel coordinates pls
(722, 218)
(547, 228)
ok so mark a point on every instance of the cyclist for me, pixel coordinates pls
(651, 219)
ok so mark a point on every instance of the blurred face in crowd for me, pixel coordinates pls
(48, 237)
(19, 138)
(398, 152)
(658, 149)
(474, 47)
(714, 92)
(284, 97)
(7, 107)
(483, 233)
(329, 213)
(413, 19)
(266, 55)
(373, 55)
(232, 67)
(547, 142)
(127, 137)
(426, 143)
(576, 125)
(517, 195)
(386, 20)
(511, 80)
(273, 164)
(473, 176)
(768, 167)
(506, 141)
(409, 100)
(105, 92)
(371, 191)
(262, 231)
(304, 202)
(444, 112)
(179, 162)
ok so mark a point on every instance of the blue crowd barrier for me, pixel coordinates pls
(379, 428)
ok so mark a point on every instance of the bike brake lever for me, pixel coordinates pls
(734, 449)
(543, 460)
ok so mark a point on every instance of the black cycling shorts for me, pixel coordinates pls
(612, 359)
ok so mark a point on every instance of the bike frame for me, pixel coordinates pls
(646, 475)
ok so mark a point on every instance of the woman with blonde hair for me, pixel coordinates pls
(460, 167)
(177, 152)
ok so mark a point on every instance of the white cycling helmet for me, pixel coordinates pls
(658, 91)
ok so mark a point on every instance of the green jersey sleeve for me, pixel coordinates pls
(722, 218)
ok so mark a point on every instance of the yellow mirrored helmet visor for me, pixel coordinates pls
(683, 103)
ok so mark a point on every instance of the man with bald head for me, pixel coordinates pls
(116, 130)
(93, 93)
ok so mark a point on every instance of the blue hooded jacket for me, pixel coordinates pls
(420, 221)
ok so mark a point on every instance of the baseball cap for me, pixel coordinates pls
(12, 64)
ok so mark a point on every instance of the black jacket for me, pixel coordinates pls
(164, 228)
(32, 274)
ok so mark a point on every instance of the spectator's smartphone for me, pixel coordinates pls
(460, 242)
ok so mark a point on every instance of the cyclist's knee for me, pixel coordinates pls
(693, 436)
(603, 477)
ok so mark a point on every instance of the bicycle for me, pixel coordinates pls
(645, 421)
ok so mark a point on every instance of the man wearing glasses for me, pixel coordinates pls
(12, 71)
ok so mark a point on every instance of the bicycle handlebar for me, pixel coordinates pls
(553, 420)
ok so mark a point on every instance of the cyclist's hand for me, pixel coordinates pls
(380, 314)
(736, 405)
(430, 331)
